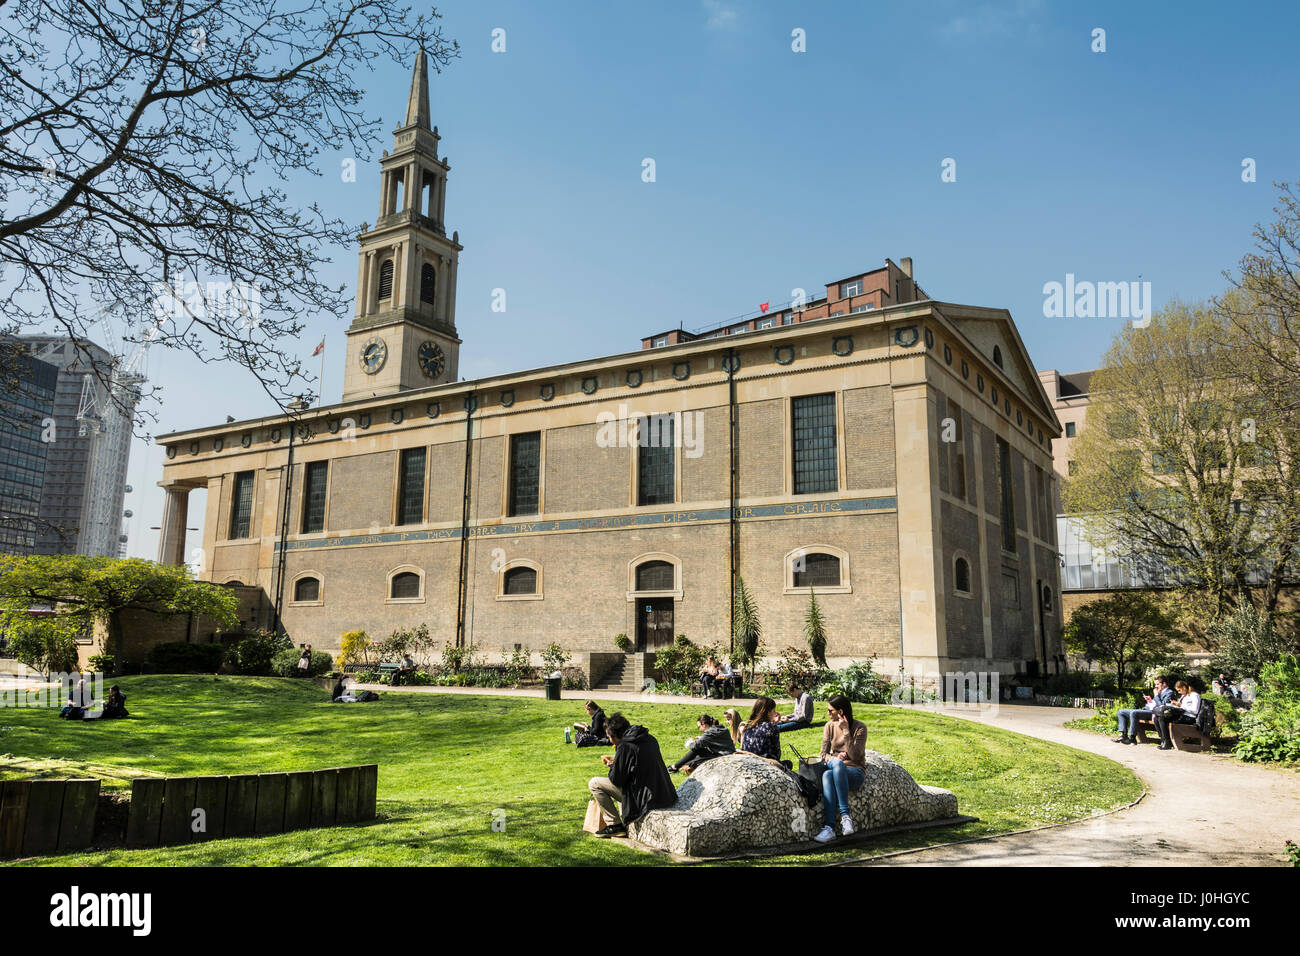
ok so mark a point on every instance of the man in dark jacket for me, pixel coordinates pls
(713, 741)
(638, 779)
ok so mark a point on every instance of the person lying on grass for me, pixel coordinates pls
(637, 779)
(713, 741)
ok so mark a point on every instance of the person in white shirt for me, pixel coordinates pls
(1189, 705)
(726, 679)
(803, 710)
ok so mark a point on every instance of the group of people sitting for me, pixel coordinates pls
(639, 781)
(81, 704)
(1165, 706)
(720, 677)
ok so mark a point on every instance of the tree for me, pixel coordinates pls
(814, 629)
(139, 148)
(1248, 639)
(1126, 629)
(1181, 468)
(84, 591)
(747, 631)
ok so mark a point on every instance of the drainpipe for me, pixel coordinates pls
(732, 361)
(293, 408)
(471, 403)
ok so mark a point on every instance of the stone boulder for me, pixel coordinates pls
(741, 803)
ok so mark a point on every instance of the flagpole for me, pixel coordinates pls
(320, 391)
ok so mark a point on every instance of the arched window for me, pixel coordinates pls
(386, 280)
(997, 356)
(961, 575)
(654, 576)
(428, 282)
(1047, 598)
(306, 589)
(234, 584)
(816, 570)
(405, 584)
(520, 581)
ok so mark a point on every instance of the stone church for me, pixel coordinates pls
(889, 452)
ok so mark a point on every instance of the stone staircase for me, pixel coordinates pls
(627, 674)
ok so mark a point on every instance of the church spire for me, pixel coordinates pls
(417, 106)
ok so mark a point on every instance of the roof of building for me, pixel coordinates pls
(1075, 384)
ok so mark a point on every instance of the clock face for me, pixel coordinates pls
(373, 356)
(432, 359)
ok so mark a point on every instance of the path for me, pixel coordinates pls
(1200, 809)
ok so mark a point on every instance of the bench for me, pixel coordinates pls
(727, 688)
(387, 670)
(1185, 737)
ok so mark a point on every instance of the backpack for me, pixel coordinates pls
(1205, 718)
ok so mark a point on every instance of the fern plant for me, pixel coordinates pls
(747, 631)
(814, 629)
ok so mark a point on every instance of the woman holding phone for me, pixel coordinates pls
(844, 750)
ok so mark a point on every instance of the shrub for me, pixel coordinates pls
(180, 657)
(1248, 640)
(555, 658)
(285, 664)
(681, 661)
(576, 681)
(519, 665)
(101, 663)
(253, 654)
(795, 667)
(858, 682)
(408, 640)
(622, 643)
(1270, 730)
(1227, 718)
(354, 649)
(456, 659)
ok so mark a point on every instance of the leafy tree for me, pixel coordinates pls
(747, 631)
(354, 649)
(1247, 639)
(86, 590)
(41, 643)
(814, 629)
(1127, 629)
(1178, 470)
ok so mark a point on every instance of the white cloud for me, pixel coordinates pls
(722, 16)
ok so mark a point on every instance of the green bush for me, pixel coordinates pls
(622, 643)
(254, 653)
(681, 661)
(180, 657)
(795, 667)
(555, 658)
(285, 664)
(1227, 718)
(519, 666)
(455, 659)
(858, 682)
(1270, 730)
(101, 663)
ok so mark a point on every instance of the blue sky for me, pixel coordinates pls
(777, 169)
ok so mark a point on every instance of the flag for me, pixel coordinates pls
(320, 348)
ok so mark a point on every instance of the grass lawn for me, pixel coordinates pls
(446, 763)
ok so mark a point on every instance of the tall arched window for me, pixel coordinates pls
(654, 576)
(961, 575)
(428, 282)
(386, 280)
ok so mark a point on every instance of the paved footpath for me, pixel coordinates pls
(1200, 809)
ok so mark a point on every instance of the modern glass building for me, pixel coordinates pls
(28, 387)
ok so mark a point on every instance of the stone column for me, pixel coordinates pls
(171, 540)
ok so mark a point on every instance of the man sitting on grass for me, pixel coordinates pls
(1128, 718)
(638, 779)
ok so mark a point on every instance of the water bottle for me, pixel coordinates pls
(568, 735)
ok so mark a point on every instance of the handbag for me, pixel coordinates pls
(1168, 711)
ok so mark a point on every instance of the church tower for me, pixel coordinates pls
(404, 333)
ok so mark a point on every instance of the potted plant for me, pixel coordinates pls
(622, 643)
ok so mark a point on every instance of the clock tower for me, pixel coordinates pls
(404, 333)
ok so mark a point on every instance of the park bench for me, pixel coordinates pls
(727, 688)
(386, 671)
(1186, 737)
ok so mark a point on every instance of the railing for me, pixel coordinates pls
(807, 303)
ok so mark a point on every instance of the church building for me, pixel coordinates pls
(889, 452)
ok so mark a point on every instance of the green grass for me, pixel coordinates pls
(447, 762)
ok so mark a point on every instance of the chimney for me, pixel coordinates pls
(906, 266)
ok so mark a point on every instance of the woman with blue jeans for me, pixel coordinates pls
(844, 750)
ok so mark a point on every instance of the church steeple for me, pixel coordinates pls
(404, 333)
(417, 105)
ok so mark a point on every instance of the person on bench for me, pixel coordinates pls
(1128, 718)
(709, 676)
(713, 741)
(1188, 704)
(726, 679)
(637, 779)
(803, 710)
(115, 704)
(404, 670)
(593, 734)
